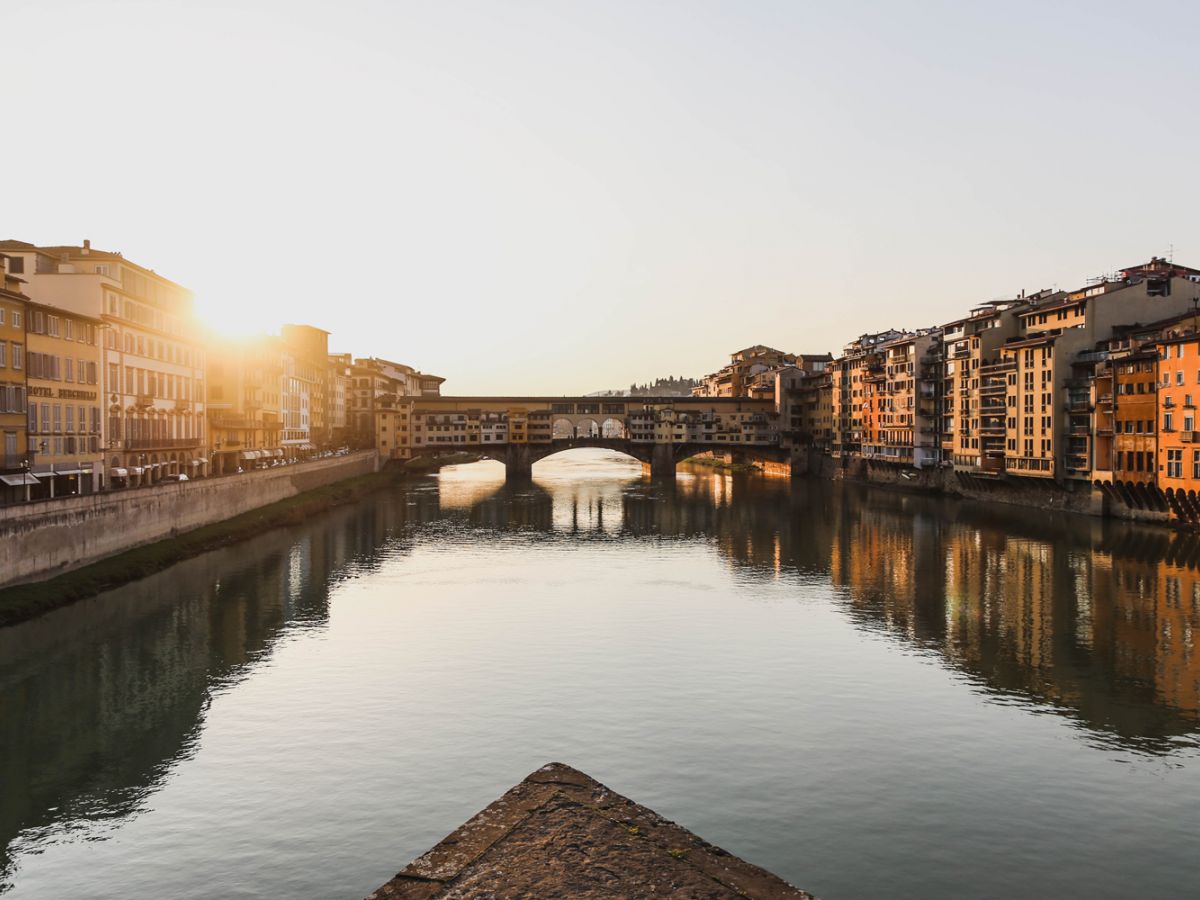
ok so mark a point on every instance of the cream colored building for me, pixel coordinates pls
(153, 361)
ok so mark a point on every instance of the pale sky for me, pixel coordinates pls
(558, 197)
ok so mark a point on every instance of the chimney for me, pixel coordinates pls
(87, 246)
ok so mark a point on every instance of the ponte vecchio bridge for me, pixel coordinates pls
(518, 431)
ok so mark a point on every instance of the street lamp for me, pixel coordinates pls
(25, 478)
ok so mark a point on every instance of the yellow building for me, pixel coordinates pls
(62, 371)
(393, 429)
(13, 309)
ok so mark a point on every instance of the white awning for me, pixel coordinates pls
(19, 479)
(249, 454)
(118, 472)
(194, 462)
(201, 460)
(278, 454)
(69, 472)
(136, 470)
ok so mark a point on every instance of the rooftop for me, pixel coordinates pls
(559, 833)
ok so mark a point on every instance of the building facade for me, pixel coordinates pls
(62, 372)
(152, 359)
(14, 460)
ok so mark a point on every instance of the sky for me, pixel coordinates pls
(562, 197)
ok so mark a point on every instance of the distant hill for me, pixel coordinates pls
(660, 387)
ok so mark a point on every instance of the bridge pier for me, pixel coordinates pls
(518, 463)
(662, 461)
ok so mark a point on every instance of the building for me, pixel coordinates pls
(972, 428)
(14, 476)
(309, 349)
(851, 415)
(749, 373)
(337, 397)
(377, 385)
(298, 387)
(901, 408)
(809, 417)
(1178, 440)
(153, 358)
(1048, 430)
(245, 421)
(62, 374)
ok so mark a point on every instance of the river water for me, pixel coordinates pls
(871, 694)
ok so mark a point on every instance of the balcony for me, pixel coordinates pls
(159, 443)
(1189, 437)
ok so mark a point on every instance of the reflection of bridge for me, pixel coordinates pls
(518, 431)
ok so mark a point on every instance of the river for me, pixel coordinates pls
(870, 693)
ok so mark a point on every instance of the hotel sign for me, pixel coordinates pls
(61, 393)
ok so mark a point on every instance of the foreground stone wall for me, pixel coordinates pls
(38, 540)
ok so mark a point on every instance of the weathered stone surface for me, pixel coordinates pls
(559, 833)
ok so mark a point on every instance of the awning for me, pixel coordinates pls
(202, 460)
(118, 472)
(194, 462)
(20, 479)
(136, 470)
(278, 454)
(249, 454)
(69, 472)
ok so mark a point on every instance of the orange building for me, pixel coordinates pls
(1178, 469)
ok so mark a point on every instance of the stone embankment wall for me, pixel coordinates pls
(1037, 493)
(38, 540)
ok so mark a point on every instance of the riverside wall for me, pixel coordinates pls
(44, 538)
(1085, 499)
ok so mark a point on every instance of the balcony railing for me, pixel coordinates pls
(160, 443)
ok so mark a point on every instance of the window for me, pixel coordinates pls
(16, 323)
(1196, 463)
(1179, 377)
(1189, 423)
(1175, 463)
(1168, 422)
(16, 265)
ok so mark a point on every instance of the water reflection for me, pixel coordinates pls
(99, 701)
(1092, 620)
(1096, 618)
